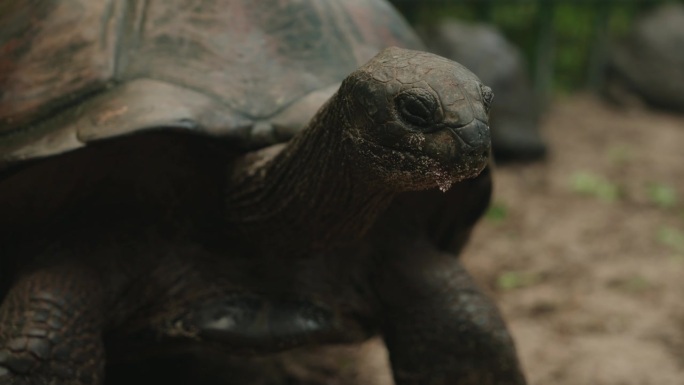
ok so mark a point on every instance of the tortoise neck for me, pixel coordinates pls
(310, 195)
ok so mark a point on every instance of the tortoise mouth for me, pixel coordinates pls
(461, 150)
(447, 155)
(472, 154)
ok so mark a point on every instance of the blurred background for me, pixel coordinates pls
(564, 42)
(583, 247)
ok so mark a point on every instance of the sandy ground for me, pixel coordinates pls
(585, 252)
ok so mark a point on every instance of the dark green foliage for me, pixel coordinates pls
(579, 30)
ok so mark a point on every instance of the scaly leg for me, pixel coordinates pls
(50, 325)
(439, 328)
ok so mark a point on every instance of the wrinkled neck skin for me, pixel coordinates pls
(308, 197)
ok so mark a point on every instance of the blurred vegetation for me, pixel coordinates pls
(590, 184)
(632, 284)
(564, 41)
(662, 195)
(620, 154)
(510, 280)
(497, 212)
(671, 237)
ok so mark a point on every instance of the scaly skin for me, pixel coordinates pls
(439, 328)
(405, 121)
(51, 322)
(418, 287)
(144, 260)
(401, 286)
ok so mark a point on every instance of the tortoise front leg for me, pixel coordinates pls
(50, 327)
(439, 328)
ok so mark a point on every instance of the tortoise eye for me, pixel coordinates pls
(487, 97)
(417, 107)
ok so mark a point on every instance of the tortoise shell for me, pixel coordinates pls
(251, 71)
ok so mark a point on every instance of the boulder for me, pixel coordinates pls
(649, 60)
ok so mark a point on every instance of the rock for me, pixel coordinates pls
(649, 61)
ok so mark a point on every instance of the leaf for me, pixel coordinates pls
(671, 237)
(590, 184)
(662, 195)
(497, 212)
(514, 280)
(620, 154)
(633, 284)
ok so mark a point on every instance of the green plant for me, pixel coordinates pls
(590, 184)
(497, 212)
(620, 154)
(632, 284)
(579, 29)
(662, 195)
(671, 237)
(516, 279)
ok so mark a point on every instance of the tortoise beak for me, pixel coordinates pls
(462, 151)
(473, 145)
(474, 135)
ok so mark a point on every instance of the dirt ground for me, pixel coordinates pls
(585, 252)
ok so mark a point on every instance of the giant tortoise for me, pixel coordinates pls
(153, 201)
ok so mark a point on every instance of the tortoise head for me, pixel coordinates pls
(417, 120)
